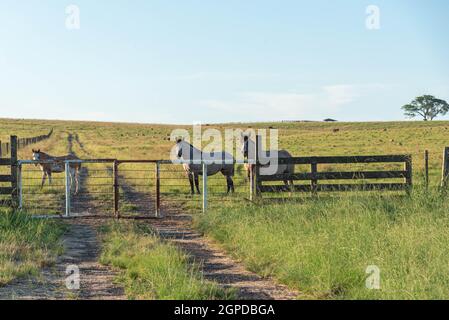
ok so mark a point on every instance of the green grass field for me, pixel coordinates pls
(26, 244)
(151, 269)
(321, 246)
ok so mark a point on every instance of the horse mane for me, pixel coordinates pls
(191, 146)
(45, 154)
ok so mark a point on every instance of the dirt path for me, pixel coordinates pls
(215, 264)
(81, 249)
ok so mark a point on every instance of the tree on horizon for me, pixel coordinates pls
(426, 106)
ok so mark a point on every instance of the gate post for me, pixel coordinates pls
(67, 188)
(20, 185)
(158, 190)
(251, 181)
(116, 189)
(204, 187)
(409, 178)
(257, 167)
(15, 194)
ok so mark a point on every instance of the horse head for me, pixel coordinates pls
(179, 147)
(36, 154)
(247, 144)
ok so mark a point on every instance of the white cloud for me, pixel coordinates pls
(325, 102)
(221, 76)
(339, 95)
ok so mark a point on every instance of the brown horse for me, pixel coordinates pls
(57, 165)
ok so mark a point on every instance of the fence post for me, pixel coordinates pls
(204, 187)
(7, 148)
(409, 176)
(67, 188)
(15, 194)
(445, 170)
(1, 154)
(158, 190)
(314, 181)
(116, 189)
(251, 180)
(426, 168)
(20, 186)
(257, 167)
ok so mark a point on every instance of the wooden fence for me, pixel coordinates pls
(5, 148)
(314, 176)
(11, 178)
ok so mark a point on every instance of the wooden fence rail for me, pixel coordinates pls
(11, 179)
(314, 176)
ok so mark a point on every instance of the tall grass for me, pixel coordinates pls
(323, 246)
(26, 244)
(152, 269)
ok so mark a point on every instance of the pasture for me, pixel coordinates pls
(319, 246)
(26, 245)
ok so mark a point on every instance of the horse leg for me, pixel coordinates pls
(44, 176)
(71, 178)
(74, 176)
(286, 185)
(192, 190)
(49, 178)
(230, 184)
(77, 180)
(197, 183)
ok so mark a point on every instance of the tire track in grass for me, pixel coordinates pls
(215, 264)
(82, 249)
(82, 239)
(82, 203)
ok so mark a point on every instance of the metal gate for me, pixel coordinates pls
(121, 188)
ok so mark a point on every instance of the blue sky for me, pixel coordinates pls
(219, 61)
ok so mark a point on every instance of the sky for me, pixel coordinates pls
(192, 61)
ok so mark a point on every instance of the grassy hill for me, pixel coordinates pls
(150, 141)
(321, 246)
